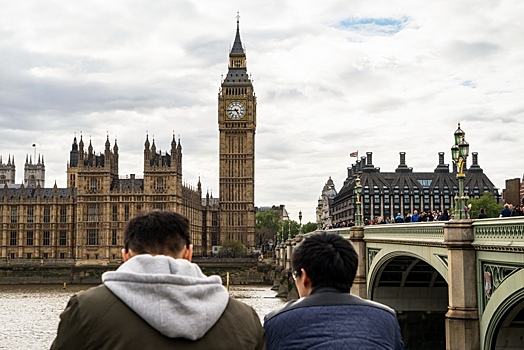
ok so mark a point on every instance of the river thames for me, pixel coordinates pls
(29, 314)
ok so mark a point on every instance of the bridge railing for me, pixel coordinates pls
(499, 234)
(420, 232)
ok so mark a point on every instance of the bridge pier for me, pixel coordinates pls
(462, 319)
(356, 236)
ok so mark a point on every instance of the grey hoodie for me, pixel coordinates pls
(172, 295)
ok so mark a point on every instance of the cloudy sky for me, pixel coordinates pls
(332, 77)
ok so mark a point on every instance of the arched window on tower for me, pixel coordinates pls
(160, 184)
(93, 184)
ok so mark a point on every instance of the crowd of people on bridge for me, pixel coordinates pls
(510, 210)
(435, 215)
(425, 216)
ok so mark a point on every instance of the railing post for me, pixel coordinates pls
(356, 236)
(288, 254)
(462, 320)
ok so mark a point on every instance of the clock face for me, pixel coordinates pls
(235, 110)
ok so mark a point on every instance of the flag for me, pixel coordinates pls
(354, 154)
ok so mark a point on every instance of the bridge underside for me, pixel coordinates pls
(419, 294)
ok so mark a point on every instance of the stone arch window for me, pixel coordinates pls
(160, 184)
(93, 184)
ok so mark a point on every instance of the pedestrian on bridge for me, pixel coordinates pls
(327, 316)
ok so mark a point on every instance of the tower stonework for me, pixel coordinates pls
(237, 123)
(34, 173)
(7, 171)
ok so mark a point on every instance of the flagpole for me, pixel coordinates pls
(34, 146)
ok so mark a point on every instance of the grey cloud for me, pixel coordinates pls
(463, 51)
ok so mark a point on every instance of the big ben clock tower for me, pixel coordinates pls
(237, 123)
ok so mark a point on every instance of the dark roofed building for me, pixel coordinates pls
(384, 194)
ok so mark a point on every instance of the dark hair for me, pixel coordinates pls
(328, 259)
(157, 232)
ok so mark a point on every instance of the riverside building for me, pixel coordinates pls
(384, 194)
(85, 220)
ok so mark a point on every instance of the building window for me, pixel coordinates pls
(160, 184)
(63, 214)
(92, 212)
(30, 214)
(45, 255)
(138, 208)
(126, 212)
(115, 212)
(29, 238)
(62, 256)
(92, 237)
(113, 237)
(47, 214)
(93, 184)
(13, 239)
(46, 238)
(28, 255)
(214, 218)
(63, 237)
(14, 215)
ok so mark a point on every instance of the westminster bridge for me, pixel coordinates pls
(463, 278)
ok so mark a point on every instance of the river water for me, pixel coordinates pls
(29, 315)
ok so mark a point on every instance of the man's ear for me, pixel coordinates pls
(188, 253)
(303, 284)
(126, 255)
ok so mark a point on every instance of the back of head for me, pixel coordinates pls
(328, 259)
(158, 233)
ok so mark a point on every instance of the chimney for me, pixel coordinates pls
(475, 158)
(369, 158)
(440, 158)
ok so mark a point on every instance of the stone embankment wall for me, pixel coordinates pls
(53, 275)
(253, 273)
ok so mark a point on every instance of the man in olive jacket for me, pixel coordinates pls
(158, 299)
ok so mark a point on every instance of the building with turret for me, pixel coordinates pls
(85, 220)
(325, 205)
(7, 171)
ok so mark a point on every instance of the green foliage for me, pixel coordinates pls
(232, 249)
(289, 228)
(488, 202)
(267, 224)
(309, 227)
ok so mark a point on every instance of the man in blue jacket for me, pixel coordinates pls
(327, 316)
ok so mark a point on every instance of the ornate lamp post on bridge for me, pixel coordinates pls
(300, 221)
(459, 153)
(357, 191)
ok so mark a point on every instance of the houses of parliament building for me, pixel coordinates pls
(85, 220)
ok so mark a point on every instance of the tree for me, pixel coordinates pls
(289, 228)
(488, 202)
(232, 249)
(309, 227)
(267, 224)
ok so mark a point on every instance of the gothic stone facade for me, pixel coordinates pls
(85, 221)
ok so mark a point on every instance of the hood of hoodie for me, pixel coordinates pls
(172, 295)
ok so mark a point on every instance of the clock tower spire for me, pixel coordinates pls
(237, 123)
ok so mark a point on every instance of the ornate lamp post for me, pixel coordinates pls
(300, 220)
(459, 153)
(357, 191)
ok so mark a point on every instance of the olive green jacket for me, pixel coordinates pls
(97, 319)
